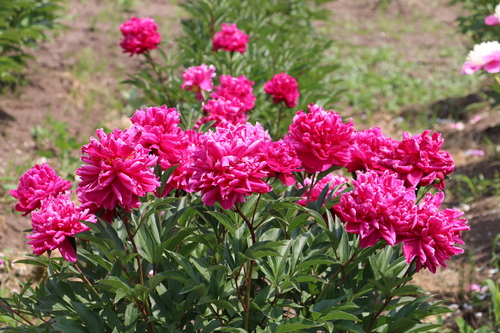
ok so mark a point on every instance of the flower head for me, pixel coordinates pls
(378, 207)
(320, 138)
(333, 181)
(230, 163)
(223, 111)
(236, 88)
(484, 56)
(283, 160)
(283, 88)
(57, 220)
(37, 184)
(198, 78)
(433, 239)
(367, 148)
(160, 133)
(495, 18)
(139, 35)
(419, 160)
(231, 39)
(118, 171)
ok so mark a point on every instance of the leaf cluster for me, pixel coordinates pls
(270, 265)
(24, 23)
(472, 21)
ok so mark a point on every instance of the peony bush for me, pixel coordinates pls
(203, 220)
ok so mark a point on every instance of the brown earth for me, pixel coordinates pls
(56, 88)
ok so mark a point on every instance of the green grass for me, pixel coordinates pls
(381, 79)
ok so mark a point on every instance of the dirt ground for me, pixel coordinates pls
(52, 85)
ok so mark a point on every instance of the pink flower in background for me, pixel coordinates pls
(236, 88)
(458, 126)
(367, 148)
(378, 207)
(57, 219)
(474, 152)
(231, 39)
(331, 180)
(222, 111)
(495, 18)
(230, 164)
(419, 160)
(198, 78)
(484, 56)
(433, 239)
(160, 133)
(119, 170)
(320, 139)
(475, 119)
(139, 35)
(38, 183)
(283, 88)
(282, 159)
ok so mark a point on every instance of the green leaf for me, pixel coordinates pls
(296, 324)
(91, 320)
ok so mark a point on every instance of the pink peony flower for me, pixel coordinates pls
(139, 35)
(231, 39)
(222, 111)
(160, 133)
(236, 88)
(37, 184)
(320, 139)
(198, 78)
(378, 207)
(56, 221)
(230, 163)
(433, 239)
(283, 88)
(419, 160)
(495, 18)
(331, 180)
(282, 160)
(484, 56)
(119, 170)
(367, 148)
(182, 174)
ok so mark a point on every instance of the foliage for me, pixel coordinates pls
(22, 25)
(282, 38)
(472, 21)
(175, 265)
(53, 141)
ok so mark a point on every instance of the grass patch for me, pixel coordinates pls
(381, 79)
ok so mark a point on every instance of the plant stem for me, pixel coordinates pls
(160, 78)
(136, 250)
(341, 268)
(248, 223)
(247, 296)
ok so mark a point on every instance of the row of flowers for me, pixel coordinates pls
(232, 162)
(236, 159)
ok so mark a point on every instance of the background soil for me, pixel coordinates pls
(57, 88)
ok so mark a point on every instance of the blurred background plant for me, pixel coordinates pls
(282, 39)
(22, 25)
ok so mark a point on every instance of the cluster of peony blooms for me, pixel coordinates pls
(233, 161)
(234, 97)
(236, 159)
(54, 217)
(487, 54)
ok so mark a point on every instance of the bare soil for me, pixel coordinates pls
(53, 85)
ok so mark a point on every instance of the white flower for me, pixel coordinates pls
(476, 56)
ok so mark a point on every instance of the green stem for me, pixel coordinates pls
(160, 78)
(247, 296)
(334, 276)
(136, 249)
